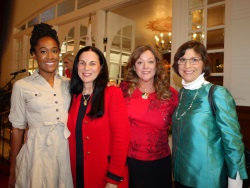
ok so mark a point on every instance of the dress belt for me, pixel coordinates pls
(66, 131)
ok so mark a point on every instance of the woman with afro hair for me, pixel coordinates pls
(40, 103)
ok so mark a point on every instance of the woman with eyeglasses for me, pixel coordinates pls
(207, 148)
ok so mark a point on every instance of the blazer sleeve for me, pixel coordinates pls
(120, 133)
(227, 121)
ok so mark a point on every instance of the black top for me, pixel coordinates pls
(79, 144)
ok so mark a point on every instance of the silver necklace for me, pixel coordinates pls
(184, 113)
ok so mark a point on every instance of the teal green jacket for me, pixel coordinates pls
(207, 149)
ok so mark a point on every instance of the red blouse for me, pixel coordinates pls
(149, 123)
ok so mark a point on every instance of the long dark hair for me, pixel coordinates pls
(77, 86)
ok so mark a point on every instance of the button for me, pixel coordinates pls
(56, 102)
(88, 152)
(54, 94)
(57, 118)
(87, 138)
(57, 110)
(85, 121)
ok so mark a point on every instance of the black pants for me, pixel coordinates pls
(150, 174)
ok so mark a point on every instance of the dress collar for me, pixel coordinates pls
(196, 84)
(36, 74)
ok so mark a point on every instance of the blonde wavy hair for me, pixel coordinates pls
(161, 82)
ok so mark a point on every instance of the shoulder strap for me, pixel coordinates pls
(210, 98)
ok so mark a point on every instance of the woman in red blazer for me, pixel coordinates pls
(98, 123)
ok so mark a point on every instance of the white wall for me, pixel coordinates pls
(237, 75)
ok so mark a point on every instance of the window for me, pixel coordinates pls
(48, 15)
(34, 21)
(18, 53)
(84, 3)
(65, 7)
(207, 24)
(119, 53)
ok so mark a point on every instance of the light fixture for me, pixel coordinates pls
(163, 43)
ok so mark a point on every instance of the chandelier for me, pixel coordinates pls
(163, 42)
(163, 27)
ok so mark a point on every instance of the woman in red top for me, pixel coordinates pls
(150, 103)
(98, 123)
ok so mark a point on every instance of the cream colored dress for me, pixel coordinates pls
(43, 162)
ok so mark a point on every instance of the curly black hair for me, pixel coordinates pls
(42, 30)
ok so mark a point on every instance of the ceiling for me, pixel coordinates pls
(147, 13)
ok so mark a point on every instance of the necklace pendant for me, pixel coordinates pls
(145, 95)
(85, 102)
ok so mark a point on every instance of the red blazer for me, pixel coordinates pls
(104, 137)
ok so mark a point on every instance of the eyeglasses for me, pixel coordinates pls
(192, 61)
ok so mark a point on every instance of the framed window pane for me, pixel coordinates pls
(83, 33)
(213, 1)
(114, 71)
(195, 3)
(48, 14)
(84, 3)
(19, 50)
(116, 43)
(126, 44)
(125, 58)
(198, 36)
(65, 7)
(127, 31)
(216, 16)
(215, 39)
(115, 57)
(196, 20)
(68, 43)
(33, 21)
(217, 60)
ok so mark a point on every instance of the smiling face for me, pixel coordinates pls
(189, 72)
(145, 67)
(89, 67)
(47, 55)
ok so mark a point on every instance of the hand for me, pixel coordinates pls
(233, 183)
(110, 185)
